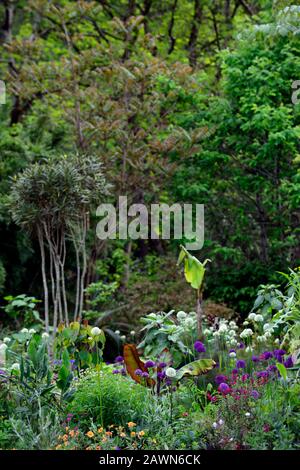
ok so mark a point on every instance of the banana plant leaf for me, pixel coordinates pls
(195, 368)
(133, 362)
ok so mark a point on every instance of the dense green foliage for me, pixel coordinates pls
(181, 101)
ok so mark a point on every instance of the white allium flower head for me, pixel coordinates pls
(15, 366)
(117, 332)
(232, 354)
(252, 316)
(45, 335)
(170, 372)
(6, 339)
(132, 332)
(32, 331)
(214, 425)
(24, 330)
(259, 318)
(221, 422)
(248, 415)
(95, 331)
(181, 315)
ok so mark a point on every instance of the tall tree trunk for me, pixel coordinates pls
(44, 277)
(192, 44)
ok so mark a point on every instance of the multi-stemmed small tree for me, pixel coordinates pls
(52, 201)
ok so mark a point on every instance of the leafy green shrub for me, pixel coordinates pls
(122, 399)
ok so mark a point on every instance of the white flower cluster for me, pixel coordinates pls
(256, 317)
(246, 333)
(227, 331)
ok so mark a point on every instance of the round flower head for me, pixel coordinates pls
(149, 364)
(259, 318)
(247, 415)
(132, 332)
(145, 375)
(6, 340)
(161, 375)
(116, 371)
(24, 330)
(32, 331)
(255, 359)
(181, 315)
(162, 365)
(199, 347)
(288, 362)
(95, 331)
(220, 379)
(45, 335)
(224, 388)
(240, 364)
(138, 372)
(232, 354)
(266, 356)
(170, 372)
(117, 332)
(252, 316)
(119, 359)
(255, 394)
(15, 366)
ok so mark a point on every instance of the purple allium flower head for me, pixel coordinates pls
(145, 375)
(161, 375)
(255, 359)
(272, 368)
(116, 371)
(123, 371)
(199, 347)
(57, 362)
(262, 373)
(138, 372)
(150, 364)
(234, 371)
(224, 388)
(162, 365)
(288, 362)
(255, 394)
(119, 359)
(279, 352)
(245, 377)
(220, 379)
(240, 364)
(265, 356)
(241, 346)
(232, 350)
(117, 448)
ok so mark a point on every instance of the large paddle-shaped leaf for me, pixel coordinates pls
(133, 362)
(195, 368)
(194, 270)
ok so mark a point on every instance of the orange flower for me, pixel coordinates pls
(90, 434)
(104, 439)
(100, 430)
(98, 448)
(58, 447)
(133, 434)
(122, 434)
(131, 424)
(108, 433)
(141, 433)
(65, 437)
(72, 433)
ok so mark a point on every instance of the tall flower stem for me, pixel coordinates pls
(99, 369)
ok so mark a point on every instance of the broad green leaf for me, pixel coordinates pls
(195, 368)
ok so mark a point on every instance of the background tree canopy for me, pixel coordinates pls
(182, 101)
